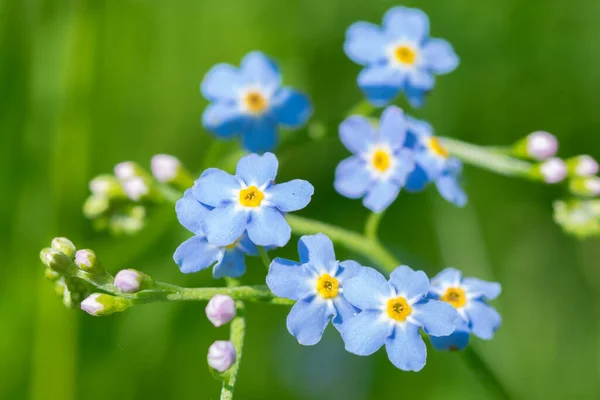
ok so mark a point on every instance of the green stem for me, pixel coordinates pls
(490, 159)
(238, 331)
(355, 242)
(372, 225)
(264, 257)
(486, 375)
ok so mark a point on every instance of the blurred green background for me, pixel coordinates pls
(87, 84)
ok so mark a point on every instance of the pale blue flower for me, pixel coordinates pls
(316, 283)
(392, 314)
(398, 56)
(251, 102)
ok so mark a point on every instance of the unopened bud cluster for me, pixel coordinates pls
(220, 310)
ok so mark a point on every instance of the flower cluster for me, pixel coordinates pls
(400, 152)
(371, 312)
(232, 214)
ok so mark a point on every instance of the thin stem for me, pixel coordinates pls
(355, 242)
(372, 225)
(489, 159)
(481, 369)
(238, 332)
(264, 257)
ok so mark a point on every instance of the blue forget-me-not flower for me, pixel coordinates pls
(316, 283)
(381, 162)
(433, 163)
(250, 201)
(251, 102)
(398, 56)
(392, 313)
(468, 296)
(196, 253)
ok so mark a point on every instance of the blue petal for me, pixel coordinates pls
(409, 284)
(291, 108)
(258, 68)
(415, 96)
(405, 164)
(365, 43)
(416, 180)
(406, 23)
(215, 187)
(246, 245)
(381, 195)
(458, 340)
(307, 320)
(222, 82)
(419, 128)
(366, 289)
(267, 227)
(317, 250)
(290, 279)
(365, 333)
(430, 163)
(291, 196)
(257, 170)
(260, 135)
(449, 277)
(437, 317)
(439, 56)
(420, 79)
(450, 190)
(223, 118)
(191, 213)
(380, 83)
(346, 270)
(352, 179)
(392, 127)
(233, 265)
(224, 225)
(195, 254)
(484, 319)
(357, 133)
(476, 288)
(344, 312)
(405, 348)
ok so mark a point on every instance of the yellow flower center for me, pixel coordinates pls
(436, 147)
(405, 55)
(398, 308)
(251, 197)
(381, 160)
(255, 102)
(328, 286)
(455, 296)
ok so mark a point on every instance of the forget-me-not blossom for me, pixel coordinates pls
(398, 56)
(468, 296)
(392, 314)
(316, 283)
(251, 102)
(380, 164)
(250, 201)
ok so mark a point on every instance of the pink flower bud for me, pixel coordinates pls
(128, 280)
(221, 355)
(165, 167)
(541, 145)
(220, 309)
(91, 305)
(135, 188)
(586, 166)
(553, 170)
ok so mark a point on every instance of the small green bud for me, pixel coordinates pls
(51, 275)
(582, 165)
(65, 246)
(130, 221)
(60, 288)
(578, 217)
(57, 260)
(95, 206)
(106, 186)
(98, 304)
(585, 186)
(87, 261)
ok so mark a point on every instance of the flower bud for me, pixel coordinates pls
(221, 355)
(552, 170)
(585, 186)
(87, 261)
(220, 310)
(51, 275)
(57, 260)
(583, 165)
(129, 169)
(538, 145)
(98, 304)
(131, 281)
(168, 169)
(64, 245)
(129, 221)
(95, 206)
(106, 186)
